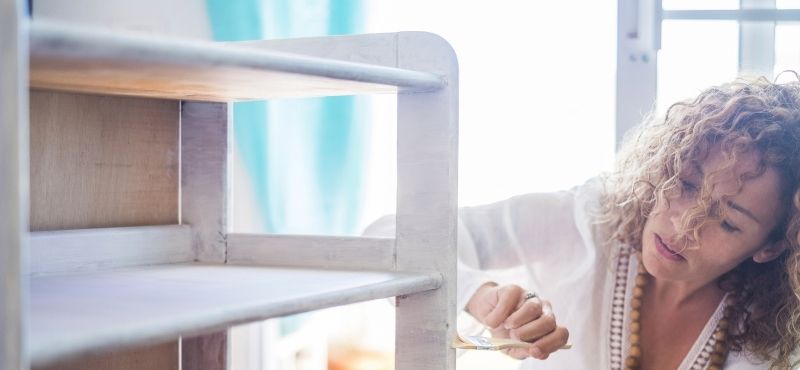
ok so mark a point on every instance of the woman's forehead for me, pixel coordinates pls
(729, 167)
(747, 182)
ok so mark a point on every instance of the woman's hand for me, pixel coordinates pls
(508, 314)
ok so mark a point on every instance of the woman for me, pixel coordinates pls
(687, 256)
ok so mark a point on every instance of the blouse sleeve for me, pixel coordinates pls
(542, 232)
(518, 231)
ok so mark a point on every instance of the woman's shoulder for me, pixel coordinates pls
(590, 194)
(588, 203)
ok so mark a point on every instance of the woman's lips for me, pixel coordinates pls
(666, 252)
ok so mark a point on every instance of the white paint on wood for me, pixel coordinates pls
(80, 314)
(427, 153)
(85, 313)
(376, 49)
(98, 249)
(312, 251)
(85, 60)
(14, 199)
(205, 136)
(205, 152)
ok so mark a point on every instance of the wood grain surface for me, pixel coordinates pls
(102, 161)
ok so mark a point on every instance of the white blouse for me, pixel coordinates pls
(548, 243)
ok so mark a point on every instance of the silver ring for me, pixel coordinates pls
(529, 295)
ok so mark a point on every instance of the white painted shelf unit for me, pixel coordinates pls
(70, 293)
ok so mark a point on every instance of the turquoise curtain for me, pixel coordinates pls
(304, 158)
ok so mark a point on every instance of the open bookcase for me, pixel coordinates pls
(115, 176)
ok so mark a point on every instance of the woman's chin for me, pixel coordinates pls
(658, 267)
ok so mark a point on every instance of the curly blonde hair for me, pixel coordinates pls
(739, 117)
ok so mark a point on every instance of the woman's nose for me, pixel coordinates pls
(675, 219)
(676, 213)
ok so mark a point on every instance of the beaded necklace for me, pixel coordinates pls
(718, 356)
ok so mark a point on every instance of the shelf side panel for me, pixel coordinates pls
(14, 177)
(427, 183)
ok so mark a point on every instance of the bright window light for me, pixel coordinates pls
(787, 48)
(536, 92)
(787, 4)
(695, 55)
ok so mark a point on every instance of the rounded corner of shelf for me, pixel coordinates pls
(433, 41)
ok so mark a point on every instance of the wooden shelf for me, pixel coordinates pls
(76, 314)
(91, 291)
(77, 59)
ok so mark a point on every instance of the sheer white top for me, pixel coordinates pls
(548, 243)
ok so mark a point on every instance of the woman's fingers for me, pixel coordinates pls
(544, 324)
(508, 314)
(507, 300)
(518, 353)
(529, 310)
(544, 346)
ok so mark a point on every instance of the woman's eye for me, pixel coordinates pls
(727, 226)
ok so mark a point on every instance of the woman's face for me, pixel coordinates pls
(751, 215)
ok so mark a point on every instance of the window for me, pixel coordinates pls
(700, 43)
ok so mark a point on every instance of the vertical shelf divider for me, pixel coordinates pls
(205, 152)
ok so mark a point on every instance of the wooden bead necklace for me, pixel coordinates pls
(720, 351)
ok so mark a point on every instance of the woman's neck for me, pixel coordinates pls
(679, 294)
